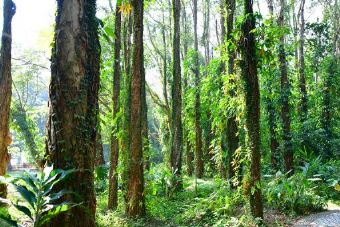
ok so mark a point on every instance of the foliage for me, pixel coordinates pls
(296, 193)
(39, 198)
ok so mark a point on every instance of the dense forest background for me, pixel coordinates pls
(179, 113)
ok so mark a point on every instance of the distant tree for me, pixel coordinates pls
(5, 88)
(198, 128)
(73, 99)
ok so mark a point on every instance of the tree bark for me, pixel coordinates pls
(285, 92)
(198, 130)
(135, 206)
(72, 122)
(177, 137)
(113, 175)
(252, 96)
(5, 89)
(232, 125)
(99, 149)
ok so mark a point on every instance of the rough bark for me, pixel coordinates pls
(135, 186)
(199, 168)
(285, 92)
(232, 125)
(252, 96)
(113, 175)
(5, 88)
(126, 100)
(72, 122)
(177, 137)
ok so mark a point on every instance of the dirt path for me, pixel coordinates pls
(329, 218)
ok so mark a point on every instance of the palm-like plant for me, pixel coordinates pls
(39, 200)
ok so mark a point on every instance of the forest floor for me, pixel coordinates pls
(201, 206)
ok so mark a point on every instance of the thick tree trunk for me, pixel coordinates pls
(73, 109)
(126, 100)
(113, 175)
(252, 96)
(5, 89)
(232, 125)
(285, 92)
(198, 130)
(135, 189)
(177, 138)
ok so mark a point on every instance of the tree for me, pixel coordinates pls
(5, 89)
(232, 126)
(135, 185)
(73, 97)
(272, 115)
(252, 102)
(113, 176)
(302, 76)
(198, 129)
(177, 137)
(285, 92)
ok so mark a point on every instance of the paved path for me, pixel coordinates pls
(323, 219)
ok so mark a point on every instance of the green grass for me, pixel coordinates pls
(208, 204)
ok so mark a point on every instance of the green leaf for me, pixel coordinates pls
(26, 194)
(24, 210)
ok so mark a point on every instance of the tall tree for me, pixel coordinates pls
(177, 137)
(272, 115)
(189, 154)
(72, 121)
(135, 186)
(232, 126)
(198, 129)
(252, 101)
(5, 88)
(302, 76)
(113, 176)
(285, 92)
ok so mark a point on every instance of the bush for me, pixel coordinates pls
(38, 202)
(296, 193)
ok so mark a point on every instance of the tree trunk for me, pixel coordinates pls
(135, 186)
(99, 149)
(188, 148)
(252, 96)
(232, 125)
(285, 92)
(302, 79)
(113, 175)
(274, 144)
(177, 139)
(198, 130)
(72, 122)
(5, 89)
(126, 100)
